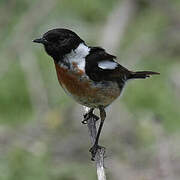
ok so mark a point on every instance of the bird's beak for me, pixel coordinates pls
(40, 40)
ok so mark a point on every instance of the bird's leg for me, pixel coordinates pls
(89, 115)
(96, 146)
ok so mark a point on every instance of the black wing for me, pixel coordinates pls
(101, 66)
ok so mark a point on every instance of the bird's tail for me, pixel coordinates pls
(141, 74)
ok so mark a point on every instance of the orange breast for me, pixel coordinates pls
(71, 82)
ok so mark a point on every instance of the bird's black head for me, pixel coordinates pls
(58, 42)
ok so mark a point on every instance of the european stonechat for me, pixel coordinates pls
(88, 74)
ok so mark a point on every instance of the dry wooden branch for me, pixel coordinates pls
(99, 159)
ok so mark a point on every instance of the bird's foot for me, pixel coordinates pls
(89, 115)
(93, 150)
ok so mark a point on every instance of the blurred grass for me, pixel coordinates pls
(23, 165)
(96, 11)
(15, 104)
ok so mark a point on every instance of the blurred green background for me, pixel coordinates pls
(41, 135)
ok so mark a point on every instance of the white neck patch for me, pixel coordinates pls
(78, 56)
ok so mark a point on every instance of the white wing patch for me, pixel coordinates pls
(107, 65)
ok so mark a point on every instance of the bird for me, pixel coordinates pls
(90, 75)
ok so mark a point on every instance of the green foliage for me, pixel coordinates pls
(90, 11)
(23, 165)
(156, 95)
(15, 104)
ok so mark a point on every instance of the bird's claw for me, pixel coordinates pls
(87, 116)
(93, 150)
